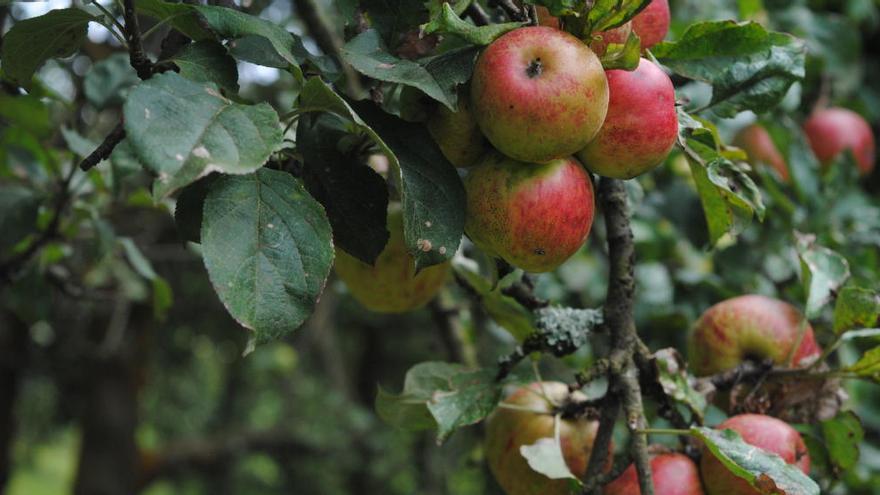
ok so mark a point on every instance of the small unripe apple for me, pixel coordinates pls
(539, 94)
(457, 133)
(749, 327)
(508, 429)
(545, 18)
(834, 130)
(756, 141)
(652, 23)
(641, 126)
(617, 35)
(534, 216)
(672, 473)
(764, 432)
(391, 285)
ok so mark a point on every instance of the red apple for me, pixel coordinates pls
(756, 141)
(641, 126)
(391, 285)
(617, 35)
(534, 216)
(457, 134)
(749, 327)
(764, 432)
(672, 473)
(545, 18)
(539, 94)
(509, 429)
(652, 23)
(833, 130)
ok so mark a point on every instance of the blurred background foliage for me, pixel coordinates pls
(120, 347)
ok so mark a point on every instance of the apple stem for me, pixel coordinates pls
(664, 431)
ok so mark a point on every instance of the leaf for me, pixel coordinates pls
(560, 7)
(856, 308)
(565, 330)
(766, 472)
(623, 56)
(842, 435)
(189, 207)
(392, 18)
(447, 21)
(26, 112)
(208, 61)
(162, 295)
(677, 382)
(545, 456)
(180, 15)
(868, 366)
(354, 195)
(823, 271)
(182, 130)
(438, 77)
(609, 14)
(503, 309)
(107, 83)
(748, 67)
(468, 398)
(31, 42)
(267, 246)
(18, 215)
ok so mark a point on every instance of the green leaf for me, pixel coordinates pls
(270, 272)
(182, 130)
(677, 382)
(189, 208)
(623, 56)
(856, 308)
(31, 42)
(180, 15)
(353, 194)
(842, 435)
(438, 77)
(208, 61)
(503, 309)
(609, 14)
(392, 18)
(107, 83)
(868, 366)
(545, 456)
(162, 296)
(560, 7)
(18, 215)
(448, 22)
(748, 67)
(765, 471)
(26, 112)
(823, 272)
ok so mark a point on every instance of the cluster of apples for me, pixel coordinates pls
(728, 333)
(540, 108)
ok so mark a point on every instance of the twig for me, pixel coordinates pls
(328, 41)
(104, 149)
(513, 12)
(136, 55)
(477, 14)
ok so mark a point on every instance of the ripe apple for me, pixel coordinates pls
(749, 327)
(756, 141)
(764, 432)
(391, 285)
(652, 23)
(457, 133)
(617, 35)
(545, 18)
(539, 94)
(509, 429)
(833, 130)
(534, 216)
(641, 125)
(673, 474)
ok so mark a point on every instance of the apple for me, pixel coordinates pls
(764, 432)
(749, 327)
(545, 18)
(672, 473)
(391, 285)
(534, 216)
(539, 94)
(832, 131)
(509, 429)
(457, 133)
(652, 23)
(641, 126)
(617, 35)
(756, 141)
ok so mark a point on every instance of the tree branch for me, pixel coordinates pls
(104, 150)
(136, 55)
(328, 41)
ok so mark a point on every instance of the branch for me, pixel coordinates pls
(513, 12)
(328, 41)
(136, 55)
(477, 14)
(104, 150)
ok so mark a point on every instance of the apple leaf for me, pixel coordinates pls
(625, 56)
(545, 456)
(392, 18)
(271, 270)
(182, 130)
(162, 296)
(503, 309)
(448, 22)
(868, 366)
(766, 472)
(208, 61)
(354, 195)
(748, 67)
(31, 42)
(609, 14)
(842, 435)
(108, 82)
(181, 16)
(18, 215)
(431, 191)
(189, 208)
(856, 308)
(824, 271)
(468, 398)
(676, 382)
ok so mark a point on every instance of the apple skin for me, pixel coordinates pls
(539, 94)
(641, 126)
(507, 430)
(457, 133)
(764, 432)
(391, 285)
(652, 23)
(617, 35)
(534, 216)
(673, 474)
(750, 326)
(833, 130)
(756, 141)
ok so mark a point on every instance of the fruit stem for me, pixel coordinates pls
(664, 431)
